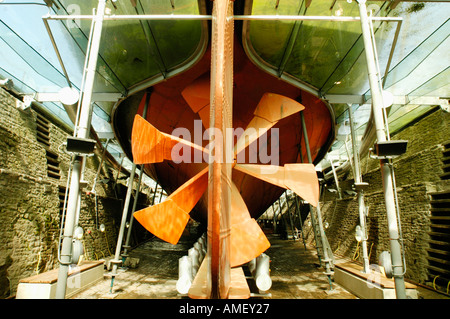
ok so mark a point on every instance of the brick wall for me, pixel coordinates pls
(30, 200)
(417, 174)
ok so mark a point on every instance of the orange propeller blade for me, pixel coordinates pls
(300, 178)
(239, 210)
(197, 96)
(168, 219)
(149, 145)
(270, 109)
(165, 220)
(247, 240)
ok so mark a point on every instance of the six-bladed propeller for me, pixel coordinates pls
(168, 219)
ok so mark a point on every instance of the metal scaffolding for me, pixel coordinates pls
(83, 125)
(82, 132)
(380, 127)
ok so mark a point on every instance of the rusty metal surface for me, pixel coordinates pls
(168, 219)
(149, 145)
(231, 199)
(219, 188)
(270, 109)
(300, 178)
(247, 240)
(168, 110)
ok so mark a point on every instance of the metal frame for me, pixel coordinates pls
(96, 97)
(330, 98)
(328, 260)
(397, 99)
(380, 128)
(290, 79)
(116, 261)
(304, 86)
(209, 17)
(82, 129)
(125, 210)
(358, 182)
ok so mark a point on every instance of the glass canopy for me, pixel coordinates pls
(328, 56)
(322, 55)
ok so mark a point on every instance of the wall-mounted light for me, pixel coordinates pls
(390, 149)
(77, 250)
(80, 145)
(68, 96)
(77, 244)
(358, 233)
(385, 261)
(78, 233)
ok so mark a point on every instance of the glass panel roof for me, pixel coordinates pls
(325, 55)
(318, 53)
(131, 51)
(329, 55)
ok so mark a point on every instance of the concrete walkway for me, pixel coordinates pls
(294, 273)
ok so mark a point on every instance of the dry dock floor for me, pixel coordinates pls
(294, 273)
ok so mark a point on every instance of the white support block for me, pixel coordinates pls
(43, 286)
(373, 285)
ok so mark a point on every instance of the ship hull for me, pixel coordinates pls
(169, 110)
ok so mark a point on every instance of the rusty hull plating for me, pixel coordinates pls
(225, 90)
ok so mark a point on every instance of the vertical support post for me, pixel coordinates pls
(78, 211)
(335, 177)
(296, 200)
(360, 191)
(130, 226)
(377, 103)
(274, 220)
(326, 258)
(281, 212)
(66, 250)
(100, 166)
(154, 193)
(290, 216)
(311, 213)
(160, 195)
(116, 259)
(141, 172)
(82, 132)
(300, 219)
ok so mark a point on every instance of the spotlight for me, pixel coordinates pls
(78, 233)
(392, 148)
